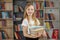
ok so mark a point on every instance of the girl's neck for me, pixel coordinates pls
(30, 17)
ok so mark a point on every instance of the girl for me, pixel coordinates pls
(30, 20)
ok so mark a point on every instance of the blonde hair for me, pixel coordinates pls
(33, 15)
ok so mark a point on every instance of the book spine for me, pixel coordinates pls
(49, 17)
(3, 36)
(0, 36)
(46, 16)
(47, 25)
(55, 34)
(37, 14)
(52, 16)
(51, 25)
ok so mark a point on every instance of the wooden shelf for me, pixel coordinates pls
(6, 10)
(51, 8)
(35, 0)
(6, 19)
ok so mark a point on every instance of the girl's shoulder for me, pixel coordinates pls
(25, 19)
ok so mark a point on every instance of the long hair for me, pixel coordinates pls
(33, 15)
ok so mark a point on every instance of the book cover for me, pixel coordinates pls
(37, 6)
(52, 16)
(8, 6)
(36, 29)
(46, 16)
(3, 36)
(51, 4)
(41, 13)
(17, 35)
(51, 24)
(0, 24)
(3, 23)
(0, 15)
(44, 3)
(9, 23)
(3, 6)
(0, 6)
(55, 34)
(37, 14)
(0, 36)
(47, 25)
(5, 15)
(34, 4)
(49, 17)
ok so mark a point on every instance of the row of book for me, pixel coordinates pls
(6, 24)
(18, 8)
(39, 13)
(5, 15)
(6, 6)
(49, 24)
(6, 0)
(6, 34)
(49, 16)
(48, 4)
(18, 27)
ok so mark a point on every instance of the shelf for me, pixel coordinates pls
(6, 19)
(35, 0)
(51, 8)
(48, 20)
(6, 10)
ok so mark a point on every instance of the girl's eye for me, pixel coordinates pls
(31, 9)
(28, 9)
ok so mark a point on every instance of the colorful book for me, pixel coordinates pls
(3, 23)
(51, 4)
(49, 17)
(17, 35)
(34, 4)
(41, 13)
(0, 6)
(9, 23)
(51, 24)
(0, 24)
(0, 36)
(8, 6)
(0, 15)
(37, 5)
(47, 25)
(52, 16)
(37, 14)
(5, 15)
(3, 36)
(46, 16)
(55, 34)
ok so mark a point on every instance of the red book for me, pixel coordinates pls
(37, 14)
(3, 6)
(55, 34)
(0, 36)
(37, 5)
(51, 4)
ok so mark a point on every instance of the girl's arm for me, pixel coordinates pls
(26, 34)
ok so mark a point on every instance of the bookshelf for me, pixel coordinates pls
(47, 11)
(6, 20)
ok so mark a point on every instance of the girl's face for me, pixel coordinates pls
(30, 10)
